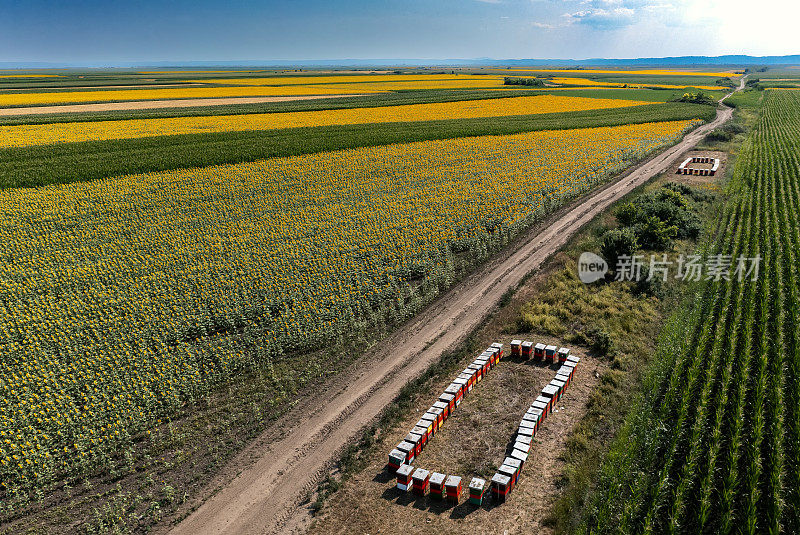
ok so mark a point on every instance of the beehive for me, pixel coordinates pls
(514, 463)
(551, 393)
(550, 353)
(520, 455)
(452, 487)
(563, 378)
(404, 476)
(434, 416)
(510, 472)
(415, 438)
(477, 488)
(516, 348)
(478, 371)
(559, 385)
(396, 458)
(573, 358)
(454, 389)
(420, 481)
(538, 351)
(501, 486)
(563, 353)
(527, 349)
(499, 347)
(437, 485)
(522, 446)
(444, 407)
(408, 449)
(524, 439)
(543, 404)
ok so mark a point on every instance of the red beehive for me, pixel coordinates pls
(436, 415)
(573, 358)
(396, 458)
(522, 446)
(478, 371)
(408, 449)
(516, 348)
(551, 393)
(404, 476)
(420, 481)
(450, 399)
(499, 347)
(437, 485)
(560, 386)
(452, 487)
(550, 353)
(538, 351)
(416, 439)
(514, 463)
(501, 486)
(483, 362)
(454, 389)
(542, 403)
(527, 347)
(495, 355)
(563, 378)
(444, 407)
(462, 384)
(510, 472)
(563, 353)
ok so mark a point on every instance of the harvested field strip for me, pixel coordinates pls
(77, 97)
(72, 162)
(713, 447)
(149, 308)
(28, 135)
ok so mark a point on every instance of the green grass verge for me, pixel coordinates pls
(52, 164)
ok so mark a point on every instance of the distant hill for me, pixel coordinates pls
(728, 60)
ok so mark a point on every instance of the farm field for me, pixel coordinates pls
(712, 446)
(29, 135)
(157, 260)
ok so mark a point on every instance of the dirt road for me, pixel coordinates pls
(274, 477)
(155, 104)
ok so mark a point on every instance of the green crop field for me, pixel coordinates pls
(714, 445)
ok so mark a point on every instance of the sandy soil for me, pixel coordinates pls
(261, 489)
(152, 104)
(473, 442)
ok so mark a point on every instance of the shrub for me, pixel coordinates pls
(618, 242)
(655, 234)
(534, 82)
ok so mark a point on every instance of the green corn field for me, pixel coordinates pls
(714, 446)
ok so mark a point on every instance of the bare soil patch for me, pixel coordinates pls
(697, 180)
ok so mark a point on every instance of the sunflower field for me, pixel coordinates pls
(123, 298)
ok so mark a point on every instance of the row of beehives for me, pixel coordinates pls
(506, 477)
(539, 351)
(432, 420)
(683, 168)
(442, 485)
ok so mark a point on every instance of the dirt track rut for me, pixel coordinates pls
(275, 477)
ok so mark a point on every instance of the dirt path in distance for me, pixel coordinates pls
(154, 104)
(260, 490)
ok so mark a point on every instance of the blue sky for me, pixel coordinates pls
(178, 30)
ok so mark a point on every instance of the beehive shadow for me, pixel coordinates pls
(462, 510)
(438, 507)
(383, 476)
